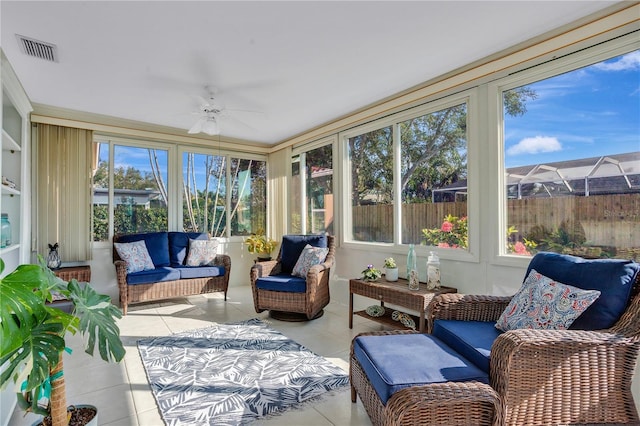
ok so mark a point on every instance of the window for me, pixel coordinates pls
(419, 195)
(204, 186)
(312, 192)
(434, 178)
(139, 190)
(371, 161)
(572, 161)
(248, 196)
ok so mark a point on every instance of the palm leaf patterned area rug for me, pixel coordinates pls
(231, 374)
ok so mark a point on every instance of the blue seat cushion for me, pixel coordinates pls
(282, 282)
(200, 271)
(157, 245)
(164, 273)
(394, 362)
(471, 339)
(292, 246)
(614, 278)
(179, 245)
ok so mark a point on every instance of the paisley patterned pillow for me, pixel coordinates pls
(542, 303)
(310, 256)
(202, 252)
(136, 256)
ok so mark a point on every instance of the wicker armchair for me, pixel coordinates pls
(284, 304)
(538, 377)
(556, 376)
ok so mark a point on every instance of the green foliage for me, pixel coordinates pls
(371, 273)
(434, 153)
(451, 234)
(515, 100)
(33, 333)
(568, 237)
(390, 262)
(259, 243)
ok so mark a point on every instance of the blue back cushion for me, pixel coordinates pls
(471, 339)
(179, 245)
(613, 277)
(292, 246)
(157, 245)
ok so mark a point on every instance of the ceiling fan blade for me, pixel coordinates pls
(197, 127)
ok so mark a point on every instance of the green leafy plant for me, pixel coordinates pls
(371, 273)
(258, 243)
(390, 263)
(33, 333)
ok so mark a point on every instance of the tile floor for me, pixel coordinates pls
(122, 393)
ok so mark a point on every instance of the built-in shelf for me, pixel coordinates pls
(9, 249)
(8, 143)
(9, 191)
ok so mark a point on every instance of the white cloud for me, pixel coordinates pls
(630, 61)
(535, 145)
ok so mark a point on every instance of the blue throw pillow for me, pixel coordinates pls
(292, 246)
(614, 278)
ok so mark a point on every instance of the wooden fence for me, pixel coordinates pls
(607, 220)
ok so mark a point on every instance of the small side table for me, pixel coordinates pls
(396, 293)
(80, 273)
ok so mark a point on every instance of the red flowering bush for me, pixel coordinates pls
(451, 234)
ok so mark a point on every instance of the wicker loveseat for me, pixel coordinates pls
(541, 377)
(170, 277)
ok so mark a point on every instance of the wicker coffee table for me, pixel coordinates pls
(396, 293)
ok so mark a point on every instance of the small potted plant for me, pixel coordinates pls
(259, 244)
(371, 273)
(33, 335)
(391, 269)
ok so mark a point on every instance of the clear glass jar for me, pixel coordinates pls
(5, 231)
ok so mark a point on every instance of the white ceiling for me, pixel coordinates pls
(300, 64)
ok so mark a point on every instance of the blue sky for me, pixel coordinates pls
(588, 112)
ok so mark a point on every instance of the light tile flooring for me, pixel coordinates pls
(122, 393)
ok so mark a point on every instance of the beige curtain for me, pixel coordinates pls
(278, 203)
(63, 191)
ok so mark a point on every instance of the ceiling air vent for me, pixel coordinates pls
(38, 49)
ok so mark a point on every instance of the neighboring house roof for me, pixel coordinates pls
(610, 174)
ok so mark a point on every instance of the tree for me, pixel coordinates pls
(434, 153)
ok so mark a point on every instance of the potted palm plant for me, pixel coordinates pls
(33, 336)
(261, 245)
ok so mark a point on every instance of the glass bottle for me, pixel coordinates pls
(412, 268)
(5, 231)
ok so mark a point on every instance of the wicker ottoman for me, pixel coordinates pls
(446, 403)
